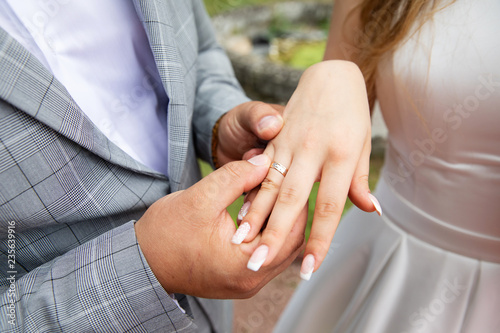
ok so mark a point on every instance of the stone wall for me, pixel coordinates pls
(261, 78)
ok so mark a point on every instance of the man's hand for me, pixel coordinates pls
(186, 237)
(247, 126)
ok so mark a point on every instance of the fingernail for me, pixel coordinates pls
(269, 122)
(259, 160)
(375, 202)
(241, 233)
(307, 267)
(244, 210)
(258, 258)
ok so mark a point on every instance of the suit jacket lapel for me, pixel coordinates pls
(27, 85)
(156, 16)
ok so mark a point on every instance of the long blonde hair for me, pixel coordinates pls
(384, 25)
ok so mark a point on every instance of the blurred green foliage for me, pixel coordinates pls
(217, 6)
(307, 55)
(300, 54)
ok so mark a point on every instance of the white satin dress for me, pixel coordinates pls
(431, 263)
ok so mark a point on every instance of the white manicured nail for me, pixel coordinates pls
(307, 267)
(259, 160)
(244, 210)
(270, 122)
(241, 233)
(258, 258)
(375, 202)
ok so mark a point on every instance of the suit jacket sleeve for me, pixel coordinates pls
(218, 90)
(102, 285)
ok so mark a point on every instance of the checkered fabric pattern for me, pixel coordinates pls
(73, 195)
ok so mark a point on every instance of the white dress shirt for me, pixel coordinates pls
(99, 51)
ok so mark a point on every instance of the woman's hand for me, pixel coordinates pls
(326, 137)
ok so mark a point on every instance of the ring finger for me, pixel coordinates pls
(261, 206)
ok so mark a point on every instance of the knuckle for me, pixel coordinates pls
(310, 141)
(269, 185)
(363, 179)
(250, 293)
(288, 196)
(360, 183)
(244, 287)
(327, 209)
(233, 170)
(256, 218)
(320, 244)
(272, 236)
(258, 107)
(340, 152)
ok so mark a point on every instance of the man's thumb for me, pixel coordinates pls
(223, 186)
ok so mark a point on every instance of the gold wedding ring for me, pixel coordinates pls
(280, 168)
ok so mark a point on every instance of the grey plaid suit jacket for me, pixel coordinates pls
(69, 197)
